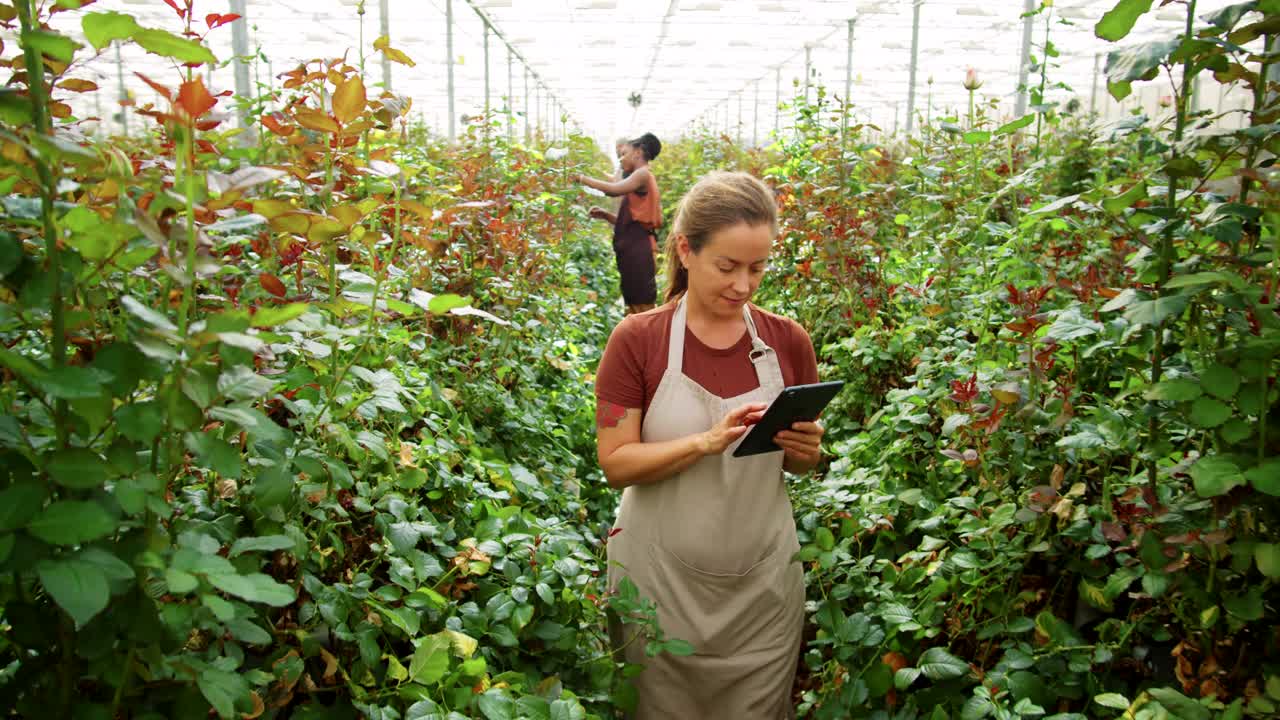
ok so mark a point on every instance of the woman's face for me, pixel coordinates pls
(725, 273)
(627, 157)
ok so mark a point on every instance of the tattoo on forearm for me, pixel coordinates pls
(609, 415)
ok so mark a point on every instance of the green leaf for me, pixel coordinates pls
(111, 565)
(222, 689)
(75, 383)
(179, 582)
(1221, 381)
(140, 421)
(1138, 62)
(103, 28)
(79, 587)
(242, 383)
(904, 677)
(151, 317)
(1215, 475)
(1072, 325)
(938, 664)
(977, 137)
(1179, 705)
(19, 502)
(255, 587)
(265, 542)
(825, 539)
(166, 44)
(1119, 20)
(430, 660)
(1203, 279)
(72, 522)
(1209, 413)
(59, 47)
(441, 304)
(1112, 700)
(497, 705)
(1125, 200)
(1267, 555)
(278, 315)
(1154, 312)
(1016, 125)
(1094, 595)
(215, 454)
(1176, 390)
(78, 468)
(1265, 478)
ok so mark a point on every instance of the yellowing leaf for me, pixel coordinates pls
(383, 44)
(78, 85)
(464, 646)
(349, 100)
(315, 120)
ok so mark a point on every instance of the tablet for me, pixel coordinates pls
(797, 403)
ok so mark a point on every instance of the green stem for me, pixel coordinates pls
(189, 191)
(48, 191)
(1168, 254)
(1044, 76)
(1259, 103)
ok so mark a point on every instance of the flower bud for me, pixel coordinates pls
(971, 81)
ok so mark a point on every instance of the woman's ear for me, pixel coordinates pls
(683, 249)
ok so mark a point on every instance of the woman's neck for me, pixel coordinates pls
(714, 330)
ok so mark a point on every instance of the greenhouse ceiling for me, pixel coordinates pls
(724, 63)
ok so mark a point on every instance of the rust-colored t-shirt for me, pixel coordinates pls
(636, 357)
(646, 207)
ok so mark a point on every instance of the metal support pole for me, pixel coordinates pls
(526, 107)
(240, 48)
(777, 101)
(511, 113)
(537, 107)
(915, 63)
(848, 87)
(448, 42)
(124, 94)
(1024, 59)
(485, 30)
(808, 69)
(738, 129)
(755, 118)
(384, 29)
(1093, 94)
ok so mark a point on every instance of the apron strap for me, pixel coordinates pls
(675, 349)
(758, 348)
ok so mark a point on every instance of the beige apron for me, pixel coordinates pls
(713, 548)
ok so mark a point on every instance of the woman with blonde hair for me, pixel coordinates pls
(708, 537)
(638, 217)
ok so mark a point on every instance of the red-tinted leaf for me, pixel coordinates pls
(1114, 532)
(164, 91)
(272, 284)
(194, 99)
(214, 20)
(181, 13)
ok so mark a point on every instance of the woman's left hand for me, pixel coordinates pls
(802, 443)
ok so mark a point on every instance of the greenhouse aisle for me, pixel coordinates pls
(299, 421)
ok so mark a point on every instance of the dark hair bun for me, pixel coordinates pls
(649, 144)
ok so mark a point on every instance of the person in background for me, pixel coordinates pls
(634, 224)
(710, 538)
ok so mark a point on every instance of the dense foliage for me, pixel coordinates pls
(298, 422)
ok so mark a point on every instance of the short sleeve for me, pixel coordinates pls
(620, 377)
(804, 360)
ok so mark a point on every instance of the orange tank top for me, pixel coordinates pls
(646, 209)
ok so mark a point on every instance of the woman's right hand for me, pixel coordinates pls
(731, 427)
(598, 213)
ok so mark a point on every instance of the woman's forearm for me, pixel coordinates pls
(642, 463)
(798, 467)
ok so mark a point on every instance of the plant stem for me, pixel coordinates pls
(48, 191)
(1167, 252)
